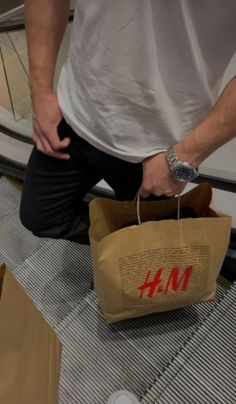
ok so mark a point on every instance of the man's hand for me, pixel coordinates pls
(46, 117)
(157, 178)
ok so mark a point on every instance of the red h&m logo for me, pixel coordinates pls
(174, 283)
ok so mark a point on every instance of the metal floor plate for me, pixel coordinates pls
(97, 359)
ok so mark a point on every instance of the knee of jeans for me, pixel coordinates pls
(34, 227)
(30, 221)
(37, 225)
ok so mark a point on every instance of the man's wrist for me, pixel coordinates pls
(181, 170)
(187, 154)
(40, 85)
(39, 93)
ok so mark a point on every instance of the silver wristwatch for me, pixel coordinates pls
(180, 170)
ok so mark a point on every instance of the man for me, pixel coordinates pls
(137, 103)
(136, 98)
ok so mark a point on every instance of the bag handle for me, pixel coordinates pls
(138, 206)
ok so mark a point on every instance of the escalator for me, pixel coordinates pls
(57, 274)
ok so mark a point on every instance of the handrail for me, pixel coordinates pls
(9, 15)
(217, 182)
(15, 135)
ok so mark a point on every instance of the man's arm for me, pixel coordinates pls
(218, 128)
(46, 22)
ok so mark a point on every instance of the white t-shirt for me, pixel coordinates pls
(141, 74)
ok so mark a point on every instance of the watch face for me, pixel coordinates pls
(184, 173)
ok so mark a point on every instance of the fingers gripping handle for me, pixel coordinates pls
(138, 207)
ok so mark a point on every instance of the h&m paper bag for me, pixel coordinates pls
(30, 352)
(162, 264)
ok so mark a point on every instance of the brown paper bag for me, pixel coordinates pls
(29, 350)
(162, 264)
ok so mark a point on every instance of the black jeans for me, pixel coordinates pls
(52, 200)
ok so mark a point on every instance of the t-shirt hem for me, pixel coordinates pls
(83, 133)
